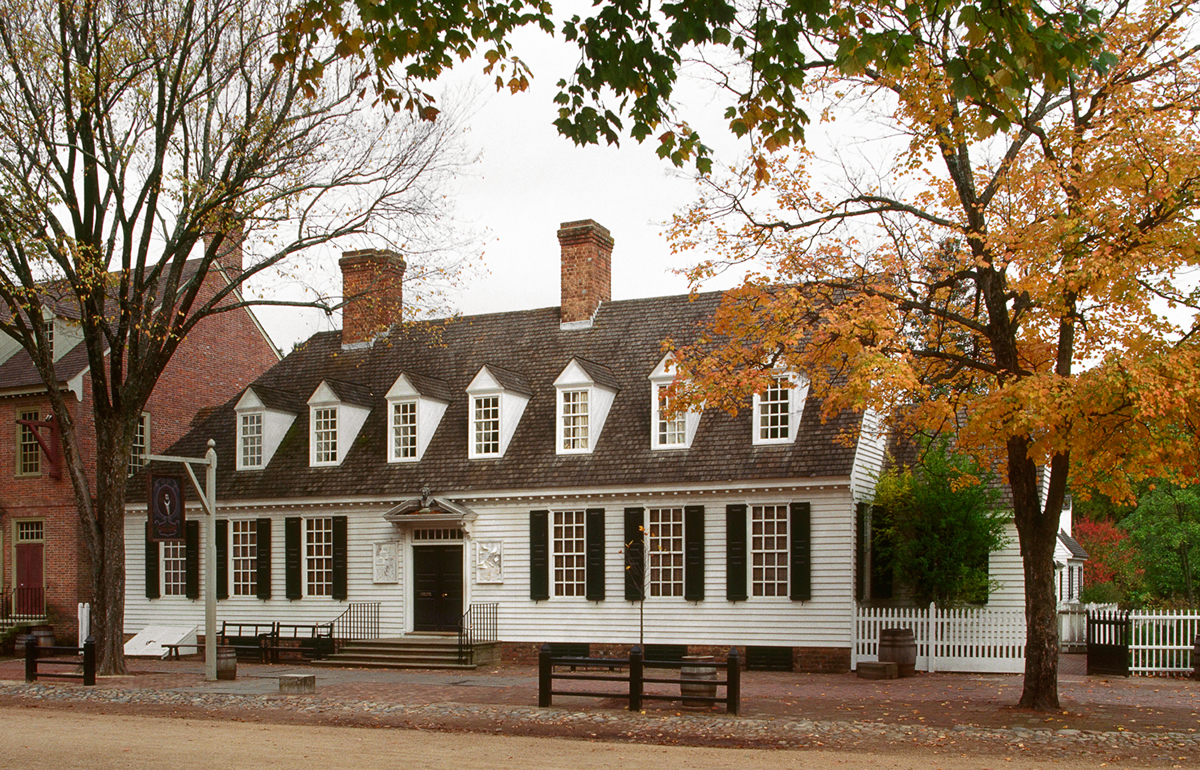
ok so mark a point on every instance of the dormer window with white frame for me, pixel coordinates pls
(668, 431)
(497, 399)
(778, 408)
(264, 416)
(337, 412)
(585, 394)
(416, 405)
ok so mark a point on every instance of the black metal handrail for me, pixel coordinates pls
(359, 621)
(479, 625)
(23, 598)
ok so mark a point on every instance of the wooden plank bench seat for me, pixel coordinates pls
(251, 641)
(309, 640)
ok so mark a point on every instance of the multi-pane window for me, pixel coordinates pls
(404, 429)
(252, 439)
(243, 555)
(487, 425)
(174, 569)
(29, 453)
(672, 431)
(31, 531)
(568, 536)
(769, 550)
(141, 444)
(318, 556)
(774, 412)
(325, 430)
(664, 551)
(574, 419)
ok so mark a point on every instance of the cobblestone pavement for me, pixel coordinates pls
(1152, 721)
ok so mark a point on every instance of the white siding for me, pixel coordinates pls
(1005, 567)
(868, 457)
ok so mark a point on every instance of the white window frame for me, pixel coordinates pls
(770, 550)
(568, 553)
(323, 434)
(140, 447)
(794, 390)
(511, 406)
(573, 420)
(243, 557)
(581, 409)
(172, 568)
(665, 546)
(247, 459)
(318, 556)
(404, 431)
(28, 448)
(680, 429)
(489, 444)
(426, 414)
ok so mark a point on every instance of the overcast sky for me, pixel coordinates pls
(529, 180)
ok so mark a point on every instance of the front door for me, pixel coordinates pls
(30, 599)
(438, 587)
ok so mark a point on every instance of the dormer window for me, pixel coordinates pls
(668, 431)
(264, 416)
(585, 394)
(337, 411)
(497, 400)
(777, 410)
(415, 407)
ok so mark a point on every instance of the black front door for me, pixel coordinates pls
(438, 586)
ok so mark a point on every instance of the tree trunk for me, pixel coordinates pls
(1037, 530)
(108, 576)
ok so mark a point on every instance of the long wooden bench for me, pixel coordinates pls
(309, 640)
(251, 641)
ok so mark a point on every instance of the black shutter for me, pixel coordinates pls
(340, 558)
(735, 553)
(191, 561)
(693, 553)
(291, 558)
(222, 559)
(801, 552)
(152, 587)
(860, 551)
(635, 544)
(594, 562)
(539, 555)
(263, 558)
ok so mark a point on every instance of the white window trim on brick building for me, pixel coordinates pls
(678, 431)
(414, 413)
(509, 406)
(777, 410)
(273, 424)
(333, 424)
(29, 451)
(141, 444)
(582, 407)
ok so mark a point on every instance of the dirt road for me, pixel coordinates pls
(33, 738)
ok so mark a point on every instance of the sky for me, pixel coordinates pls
(529, 180)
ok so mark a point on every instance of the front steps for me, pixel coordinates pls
(410, 651)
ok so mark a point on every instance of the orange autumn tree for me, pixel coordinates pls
(1021, 290)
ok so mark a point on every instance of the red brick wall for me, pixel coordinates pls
(372, 284)
(224, 354)
(586, 268)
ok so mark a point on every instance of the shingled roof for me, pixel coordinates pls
(625, 339)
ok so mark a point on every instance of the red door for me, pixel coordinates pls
(30, 598)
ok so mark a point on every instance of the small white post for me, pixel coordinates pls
(84, 615)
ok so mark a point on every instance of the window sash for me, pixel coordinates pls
(574, 419)
(251, 436)
(769, 550)
(31, 531)
(174, 568)
(487, 425)
(404, 426)
(672, 431)
(569, 553)
(140, 446)
(664, 551)
(325, 428)
(29, 452)
(318, 556)
(243, 556)
(774, 413)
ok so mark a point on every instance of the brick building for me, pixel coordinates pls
(43, 557)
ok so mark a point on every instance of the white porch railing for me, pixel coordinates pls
(1161, 642)
(975, 640)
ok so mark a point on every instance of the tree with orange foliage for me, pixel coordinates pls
(1010, 287)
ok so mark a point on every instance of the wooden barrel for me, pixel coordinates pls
(44, 635)
(697, 681)
(226, 662)
(899, 646)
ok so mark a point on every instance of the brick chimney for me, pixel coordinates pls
(229, 253)
(586, 269)
(372, 289)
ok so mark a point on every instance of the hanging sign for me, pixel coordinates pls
(166, 509)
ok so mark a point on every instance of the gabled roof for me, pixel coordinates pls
(1072, 545)
(430, 387)
(599, 373)
(280, 400)
(19, 372)
(352, 393)
(626, 338)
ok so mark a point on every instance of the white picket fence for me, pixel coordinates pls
(1161, 643)
(977, 640)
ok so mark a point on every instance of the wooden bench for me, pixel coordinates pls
(251, 641)
(310, 640)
